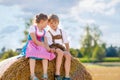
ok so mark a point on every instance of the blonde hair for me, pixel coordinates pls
(53, 17)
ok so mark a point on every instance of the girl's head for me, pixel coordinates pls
(53, 21)
(41, 20)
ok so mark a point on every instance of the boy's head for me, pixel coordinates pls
(53, 21)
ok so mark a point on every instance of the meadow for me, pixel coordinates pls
(104, 71)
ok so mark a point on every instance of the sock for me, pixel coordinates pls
(45, 76)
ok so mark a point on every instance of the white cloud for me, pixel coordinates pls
(95, 6)
(46, 6)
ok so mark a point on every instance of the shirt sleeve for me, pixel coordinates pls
(49, 38)
(32, 29)
(65, 38)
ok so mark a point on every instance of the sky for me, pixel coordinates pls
(74, 16)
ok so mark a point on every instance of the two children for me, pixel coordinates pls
(41, 45)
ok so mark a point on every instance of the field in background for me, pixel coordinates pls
(104, 71)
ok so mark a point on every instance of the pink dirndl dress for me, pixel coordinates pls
(36, 51)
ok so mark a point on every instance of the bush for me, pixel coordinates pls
(9, 53)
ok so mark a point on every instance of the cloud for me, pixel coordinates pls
(9, 29)
(95, 6)
(11, 37)
(31, 6)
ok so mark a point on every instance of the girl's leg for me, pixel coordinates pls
(67, 64)
(32, 67)
(58, 61)
(45, 67)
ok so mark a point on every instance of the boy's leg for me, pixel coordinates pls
(45, 67)
(59, 53)
(67, 63)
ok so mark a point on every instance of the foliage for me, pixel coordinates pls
(8, 53)
(73, 52)
(27, 25)
(98, 53)
(91, 43)
(112, 52)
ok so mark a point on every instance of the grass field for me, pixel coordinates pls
(104, 71)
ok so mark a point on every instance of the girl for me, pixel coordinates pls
(37, 47)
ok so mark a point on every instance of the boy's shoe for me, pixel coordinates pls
(44, 78)
(57, 77)
(64, 78)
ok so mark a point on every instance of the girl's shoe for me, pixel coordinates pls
(33, 78)
(45, 77)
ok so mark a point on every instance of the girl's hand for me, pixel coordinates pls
(48, 49)
(42, 44)
(52, 50)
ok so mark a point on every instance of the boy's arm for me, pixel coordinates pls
(67, 47)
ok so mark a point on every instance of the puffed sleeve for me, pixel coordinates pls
(32, 29)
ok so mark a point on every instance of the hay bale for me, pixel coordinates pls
(19, 70)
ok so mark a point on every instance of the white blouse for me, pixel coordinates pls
(33, 30)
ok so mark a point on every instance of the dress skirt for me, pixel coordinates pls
(35, 51)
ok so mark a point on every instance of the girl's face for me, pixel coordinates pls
(43, 23)
(53, 24)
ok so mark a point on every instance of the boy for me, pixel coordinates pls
(57, 39)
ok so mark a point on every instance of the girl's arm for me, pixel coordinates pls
(67, 47)
(34, 39)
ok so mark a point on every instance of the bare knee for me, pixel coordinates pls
(59, 52)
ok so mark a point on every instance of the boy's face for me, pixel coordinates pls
(53, 24)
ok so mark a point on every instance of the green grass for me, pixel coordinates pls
(107, 59)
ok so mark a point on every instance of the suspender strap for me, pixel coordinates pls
(61, 35)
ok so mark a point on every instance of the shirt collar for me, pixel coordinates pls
(54, 30)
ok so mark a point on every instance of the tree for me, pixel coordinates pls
(27, 25)
(79, 55)
(111, 52)
(87, 43)
(9, 53)
(99, 52)
(73, 52)
(92, 46)
(118, 52)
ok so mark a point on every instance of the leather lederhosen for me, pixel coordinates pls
(56, 45)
